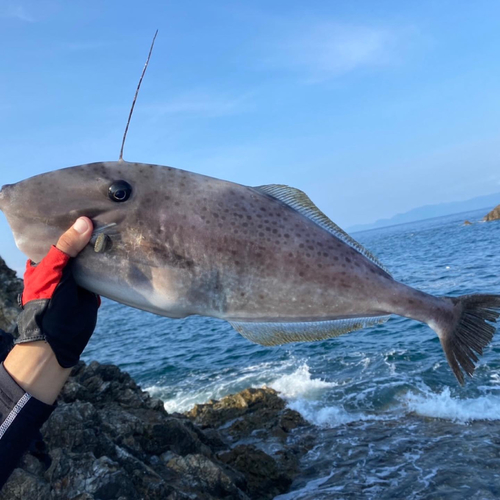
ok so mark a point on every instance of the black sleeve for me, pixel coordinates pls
(21, 416)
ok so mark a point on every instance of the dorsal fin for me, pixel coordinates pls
(298, 200)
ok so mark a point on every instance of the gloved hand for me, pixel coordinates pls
(55, 308)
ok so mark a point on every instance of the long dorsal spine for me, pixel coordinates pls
(135, 96)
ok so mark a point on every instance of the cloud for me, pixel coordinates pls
(203, 103)
(325, 50)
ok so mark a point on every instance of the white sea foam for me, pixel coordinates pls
(443, 405)
(325, 416)
(299, 388)
(304, 394)
(300, 384)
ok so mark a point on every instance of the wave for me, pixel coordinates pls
(300, 383)
(443, 405)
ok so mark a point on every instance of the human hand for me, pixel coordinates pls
(55, 308)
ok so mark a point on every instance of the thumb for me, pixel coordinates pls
(74, 240)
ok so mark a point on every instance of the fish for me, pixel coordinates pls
(265, 258)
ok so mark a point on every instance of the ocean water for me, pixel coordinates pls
(391, 420)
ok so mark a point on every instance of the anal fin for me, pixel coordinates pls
(276, 333)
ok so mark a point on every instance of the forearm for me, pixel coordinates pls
(35, 368)
(21, 416)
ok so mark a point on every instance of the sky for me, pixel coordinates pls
(371, 108)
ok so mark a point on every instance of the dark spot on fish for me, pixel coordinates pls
(301, 274)
(249, 217)
(290, 254)
(410, 301)
(287, 235)
(215, 214)
(262, 209)
(242, 294)
(141, 277)
(348, 260)
(335, 258)
(176, 203)
(275, 231)
(237, 262)
(320, 266)
(308, 254)
(261, 234)
(261, 297)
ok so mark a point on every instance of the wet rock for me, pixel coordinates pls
(467, 223)
(493, 215)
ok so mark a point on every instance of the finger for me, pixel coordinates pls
(74, 240)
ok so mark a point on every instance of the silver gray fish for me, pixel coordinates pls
(264, 258)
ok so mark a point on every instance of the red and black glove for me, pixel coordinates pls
(56, 309)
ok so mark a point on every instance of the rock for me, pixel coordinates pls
(108, 439)
(10, 287)
(259, 411)
(263, 474)
(198, 472)
(467, 223)
(493, 215)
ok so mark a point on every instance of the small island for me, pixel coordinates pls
(493, 215)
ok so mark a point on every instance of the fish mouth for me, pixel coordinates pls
(4, 195)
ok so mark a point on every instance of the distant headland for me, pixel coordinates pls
(429, 211)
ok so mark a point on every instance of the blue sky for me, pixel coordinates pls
(372, 108)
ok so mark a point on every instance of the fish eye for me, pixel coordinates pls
(119, 191)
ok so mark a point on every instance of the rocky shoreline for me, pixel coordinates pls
(109, 439)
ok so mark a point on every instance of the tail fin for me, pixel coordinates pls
(469, 332)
